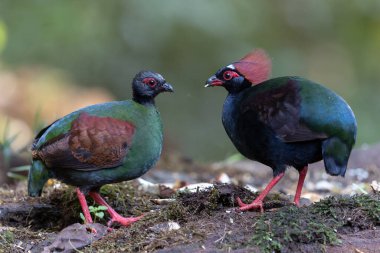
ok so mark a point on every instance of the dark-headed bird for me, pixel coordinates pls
(284, 121)
(102, 144)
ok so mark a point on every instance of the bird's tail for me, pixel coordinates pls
(38, 175)
(335, 156)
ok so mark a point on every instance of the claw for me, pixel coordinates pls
(115, 217)
(257, 203)
(123, 220)
(240, 203)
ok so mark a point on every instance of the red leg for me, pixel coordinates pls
(114, 215)
(258, 202)
(83, 203)
(86, 211)
(301, 179)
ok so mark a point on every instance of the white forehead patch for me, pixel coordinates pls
(160, 76)
(231, 66)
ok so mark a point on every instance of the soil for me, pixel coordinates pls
(206, 219)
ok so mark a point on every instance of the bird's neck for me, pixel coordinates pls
(228, 115)
(238, 86)
(229, 105)
(144, 100)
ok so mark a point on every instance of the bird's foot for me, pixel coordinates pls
(123, 220)
(257, 203)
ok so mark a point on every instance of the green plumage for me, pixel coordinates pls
(145, 148)
(320, 109)
(71, 141)
(285, 121)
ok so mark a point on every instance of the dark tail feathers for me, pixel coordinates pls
(335, 156)
(38, 175)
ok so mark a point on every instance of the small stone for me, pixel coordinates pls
(324, 186)
(163, 201)
(223, 178)
(146, 186)
(76, 236)
(165, 227)
(359, 173)
(196, 187)
(250, 188)
(312, 197)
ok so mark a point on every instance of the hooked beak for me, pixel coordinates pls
(167, 87)
(214, 81)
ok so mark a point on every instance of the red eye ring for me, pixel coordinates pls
(150, 81)
(229, 74)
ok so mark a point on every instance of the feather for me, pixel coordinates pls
(255, 66)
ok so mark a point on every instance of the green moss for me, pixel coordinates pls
(202, 215)
(126, 199)
(273, 231)
(123, 197)
(318, 223)
(264, 237)
(12, 239)
(213, 199)
(6, 237)
(174, 211)
(361, 211)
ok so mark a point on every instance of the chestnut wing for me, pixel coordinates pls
(92, 143)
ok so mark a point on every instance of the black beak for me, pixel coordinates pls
(214, 81)
(167, 87)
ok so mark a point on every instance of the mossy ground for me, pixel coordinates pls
(208, 221)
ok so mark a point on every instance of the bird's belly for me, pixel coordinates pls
(97, 178)
(260, 144)
(137, 162)
(257, 141)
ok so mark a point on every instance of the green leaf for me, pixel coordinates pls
(16, 176)
(100, 215)
(102, 208)
(82, 216)
(3, 35)
(20, 168)
(234, 158)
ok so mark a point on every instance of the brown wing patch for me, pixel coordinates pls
(55, 153)
(100, 141)
(255, 66)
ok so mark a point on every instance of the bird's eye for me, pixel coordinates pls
(150, 81)
(228, 75)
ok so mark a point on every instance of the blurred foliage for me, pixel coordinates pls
(3, 35)
(104, 43)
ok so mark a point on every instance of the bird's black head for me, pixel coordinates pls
(252, 69)
(230, 79)
(147, 85)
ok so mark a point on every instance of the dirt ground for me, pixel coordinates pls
(339, 214)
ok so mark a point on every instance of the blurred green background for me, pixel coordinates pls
(104, 43)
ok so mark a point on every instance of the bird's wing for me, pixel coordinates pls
(40, 133)
(92, 143)
(280, 109)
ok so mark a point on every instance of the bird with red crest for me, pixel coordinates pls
(283, 122)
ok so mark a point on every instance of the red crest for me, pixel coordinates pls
(255, 66)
